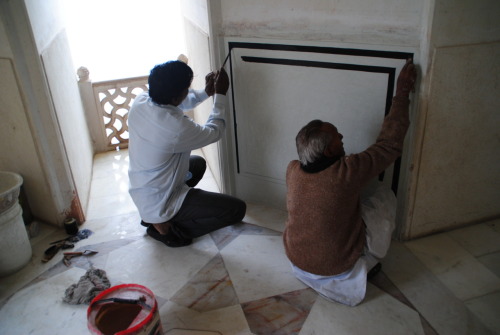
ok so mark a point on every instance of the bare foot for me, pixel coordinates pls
(162, 228)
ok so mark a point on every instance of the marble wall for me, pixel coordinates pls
(200, 54)
(48, 26)
(15, 133)
(378, 22)
(68, 106)
(58, 168)
(456, 166)
(379, 25)
(454, 43)
(27, 140)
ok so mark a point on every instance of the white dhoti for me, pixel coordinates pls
(378, 210)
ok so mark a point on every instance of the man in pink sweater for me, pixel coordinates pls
(334, 236)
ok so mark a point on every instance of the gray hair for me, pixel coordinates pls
(311, 142)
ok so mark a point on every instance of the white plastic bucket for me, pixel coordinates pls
(15, 247)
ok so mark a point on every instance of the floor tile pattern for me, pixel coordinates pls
(285, 313)
(211, 288)
(238, 280)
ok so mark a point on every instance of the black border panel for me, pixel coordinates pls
(324, 50)
(390, 71)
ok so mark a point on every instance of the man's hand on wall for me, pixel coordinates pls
(210, 84)
(221, 82)
(406, 79)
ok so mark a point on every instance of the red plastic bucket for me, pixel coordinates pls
(127, 309)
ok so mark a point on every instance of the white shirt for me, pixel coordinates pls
(161, 138)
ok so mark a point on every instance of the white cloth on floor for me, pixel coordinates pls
(378, 210)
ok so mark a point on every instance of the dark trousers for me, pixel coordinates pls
(203, 212)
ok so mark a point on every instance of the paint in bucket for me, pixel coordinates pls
(127, 309)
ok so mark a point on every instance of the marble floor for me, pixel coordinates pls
(238, 281)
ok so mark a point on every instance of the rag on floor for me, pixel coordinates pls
(81, 235)
(88, 287)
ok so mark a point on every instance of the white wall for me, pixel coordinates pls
(29, 141)
(199, 52)
(47, 23)
(5, 50)
(381, 24)
(39, 150)
(46, 20)
(18, 152)
(65, 94)
(386, 22)
(456, 180)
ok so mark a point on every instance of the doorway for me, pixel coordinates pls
(117, 39)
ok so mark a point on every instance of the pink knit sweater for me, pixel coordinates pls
(325, 234)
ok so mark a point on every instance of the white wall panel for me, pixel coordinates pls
(459, 179)
(70, 114)
(278, 88)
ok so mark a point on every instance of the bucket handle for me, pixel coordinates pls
(141, 301)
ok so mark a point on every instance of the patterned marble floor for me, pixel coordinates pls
(238, 280)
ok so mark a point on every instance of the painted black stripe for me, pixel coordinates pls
(390, 89)
(388, 103)
(395, 175)
(235, 124)
(340, 66)
(323, 65)
(323, 50)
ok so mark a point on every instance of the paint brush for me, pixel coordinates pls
(227, 57)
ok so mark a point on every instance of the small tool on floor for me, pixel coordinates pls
(69, 255)
(52, 250)
(81, 235)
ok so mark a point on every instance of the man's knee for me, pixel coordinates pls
(197, 164)
(197, 168)
(236, 211)
(240, 210)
